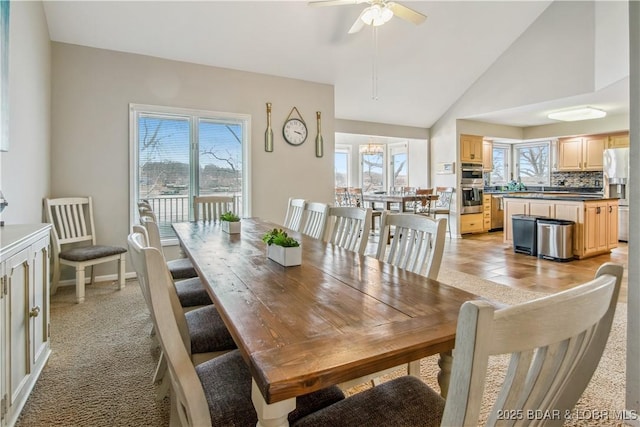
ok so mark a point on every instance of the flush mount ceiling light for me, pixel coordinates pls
(574, 115)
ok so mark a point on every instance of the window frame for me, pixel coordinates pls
(516, 161)
(343, 148)
(363, 150)
(393, 150)
(508, 159)
(194, 116)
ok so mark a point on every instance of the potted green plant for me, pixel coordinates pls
(282, 248)
(230, 223)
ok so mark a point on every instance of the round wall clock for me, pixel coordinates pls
(294, 131)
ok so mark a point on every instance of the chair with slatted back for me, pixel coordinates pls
(417, 243)
(423, 200)
(203, 331)
(74, 242)
(180, 268)
(315, 219)
(442, 205)
(210, 208)
(554, 345)
(295, 214)
(341, 196)
(348, 227)
(190, 290)
(355, 197)
(216, 392)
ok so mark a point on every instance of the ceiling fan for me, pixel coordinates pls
(377, 13)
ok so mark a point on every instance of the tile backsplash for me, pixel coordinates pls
(577, 179)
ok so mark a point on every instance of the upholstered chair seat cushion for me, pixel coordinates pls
(405, 401)
(181, 268)
(207, 331)
(226, 381)
(86, 253)
(191, 292)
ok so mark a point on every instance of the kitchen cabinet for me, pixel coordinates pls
(471, 223)
(486, 212)
(596, 221)
(470, 149)
(487, 155)
(513, 207)
(541, 208)
(582, 153)
(620, 140)
(601, 227)
(24, 309)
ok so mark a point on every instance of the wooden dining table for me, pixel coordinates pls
(336, 317)
(403, 200)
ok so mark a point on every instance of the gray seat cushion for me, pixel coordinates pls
(86, 253)
(181, 268)
(207, 331)
(192, 293)
(405, 401)
(227, 386)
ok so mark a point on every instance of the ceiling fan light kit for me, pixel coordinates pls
(576, 114)
(376, 15)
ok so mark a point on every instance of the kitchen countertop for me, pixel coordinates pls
(579, 197)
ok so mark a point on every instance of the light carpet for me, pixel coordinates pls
(102, 362)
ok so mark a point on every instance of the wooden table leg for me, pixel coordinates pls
(444, 376)
(271, 415)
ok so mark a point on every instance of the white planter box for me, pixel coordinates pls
(231, 227)
(285, 256)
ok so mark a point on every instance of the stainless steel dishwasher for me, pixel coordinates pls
(497, 212)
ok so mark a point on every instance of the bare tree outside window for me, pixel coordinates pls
(533, 164)
(372, 171)
(175, 164)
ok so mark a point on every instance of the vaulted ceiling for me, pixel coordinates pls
(422, 70)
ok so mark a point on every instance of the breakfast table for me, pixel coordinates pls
(402, 200)
(337, 317)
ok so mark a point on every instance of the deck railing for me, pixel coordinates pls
(177, 208)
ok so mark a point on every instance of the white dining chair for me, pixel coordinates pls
(180, 268)
(216, 392)
(417, 243)
(203, 331)
(554, 343)
(442, 205)
(315, 219)
(210, 208)
(191, 292)
(74, 242)
(348, 227)
(295, 214)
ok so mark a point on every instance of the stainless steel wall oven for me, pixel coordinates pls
(472, 185)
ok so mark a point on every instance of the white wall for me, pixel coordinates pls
(24, 169)
(92, 89)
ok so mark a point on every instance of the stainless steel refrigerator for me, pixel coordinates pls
(616, 175)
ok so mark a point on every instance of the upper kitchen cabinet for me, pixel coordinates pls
(487, 155)
(582, 153)
(470, 149)
(620, 140)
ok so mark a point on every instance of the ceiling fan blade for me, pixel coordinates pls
(357, 26)
(334, 2)
(406, 13)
